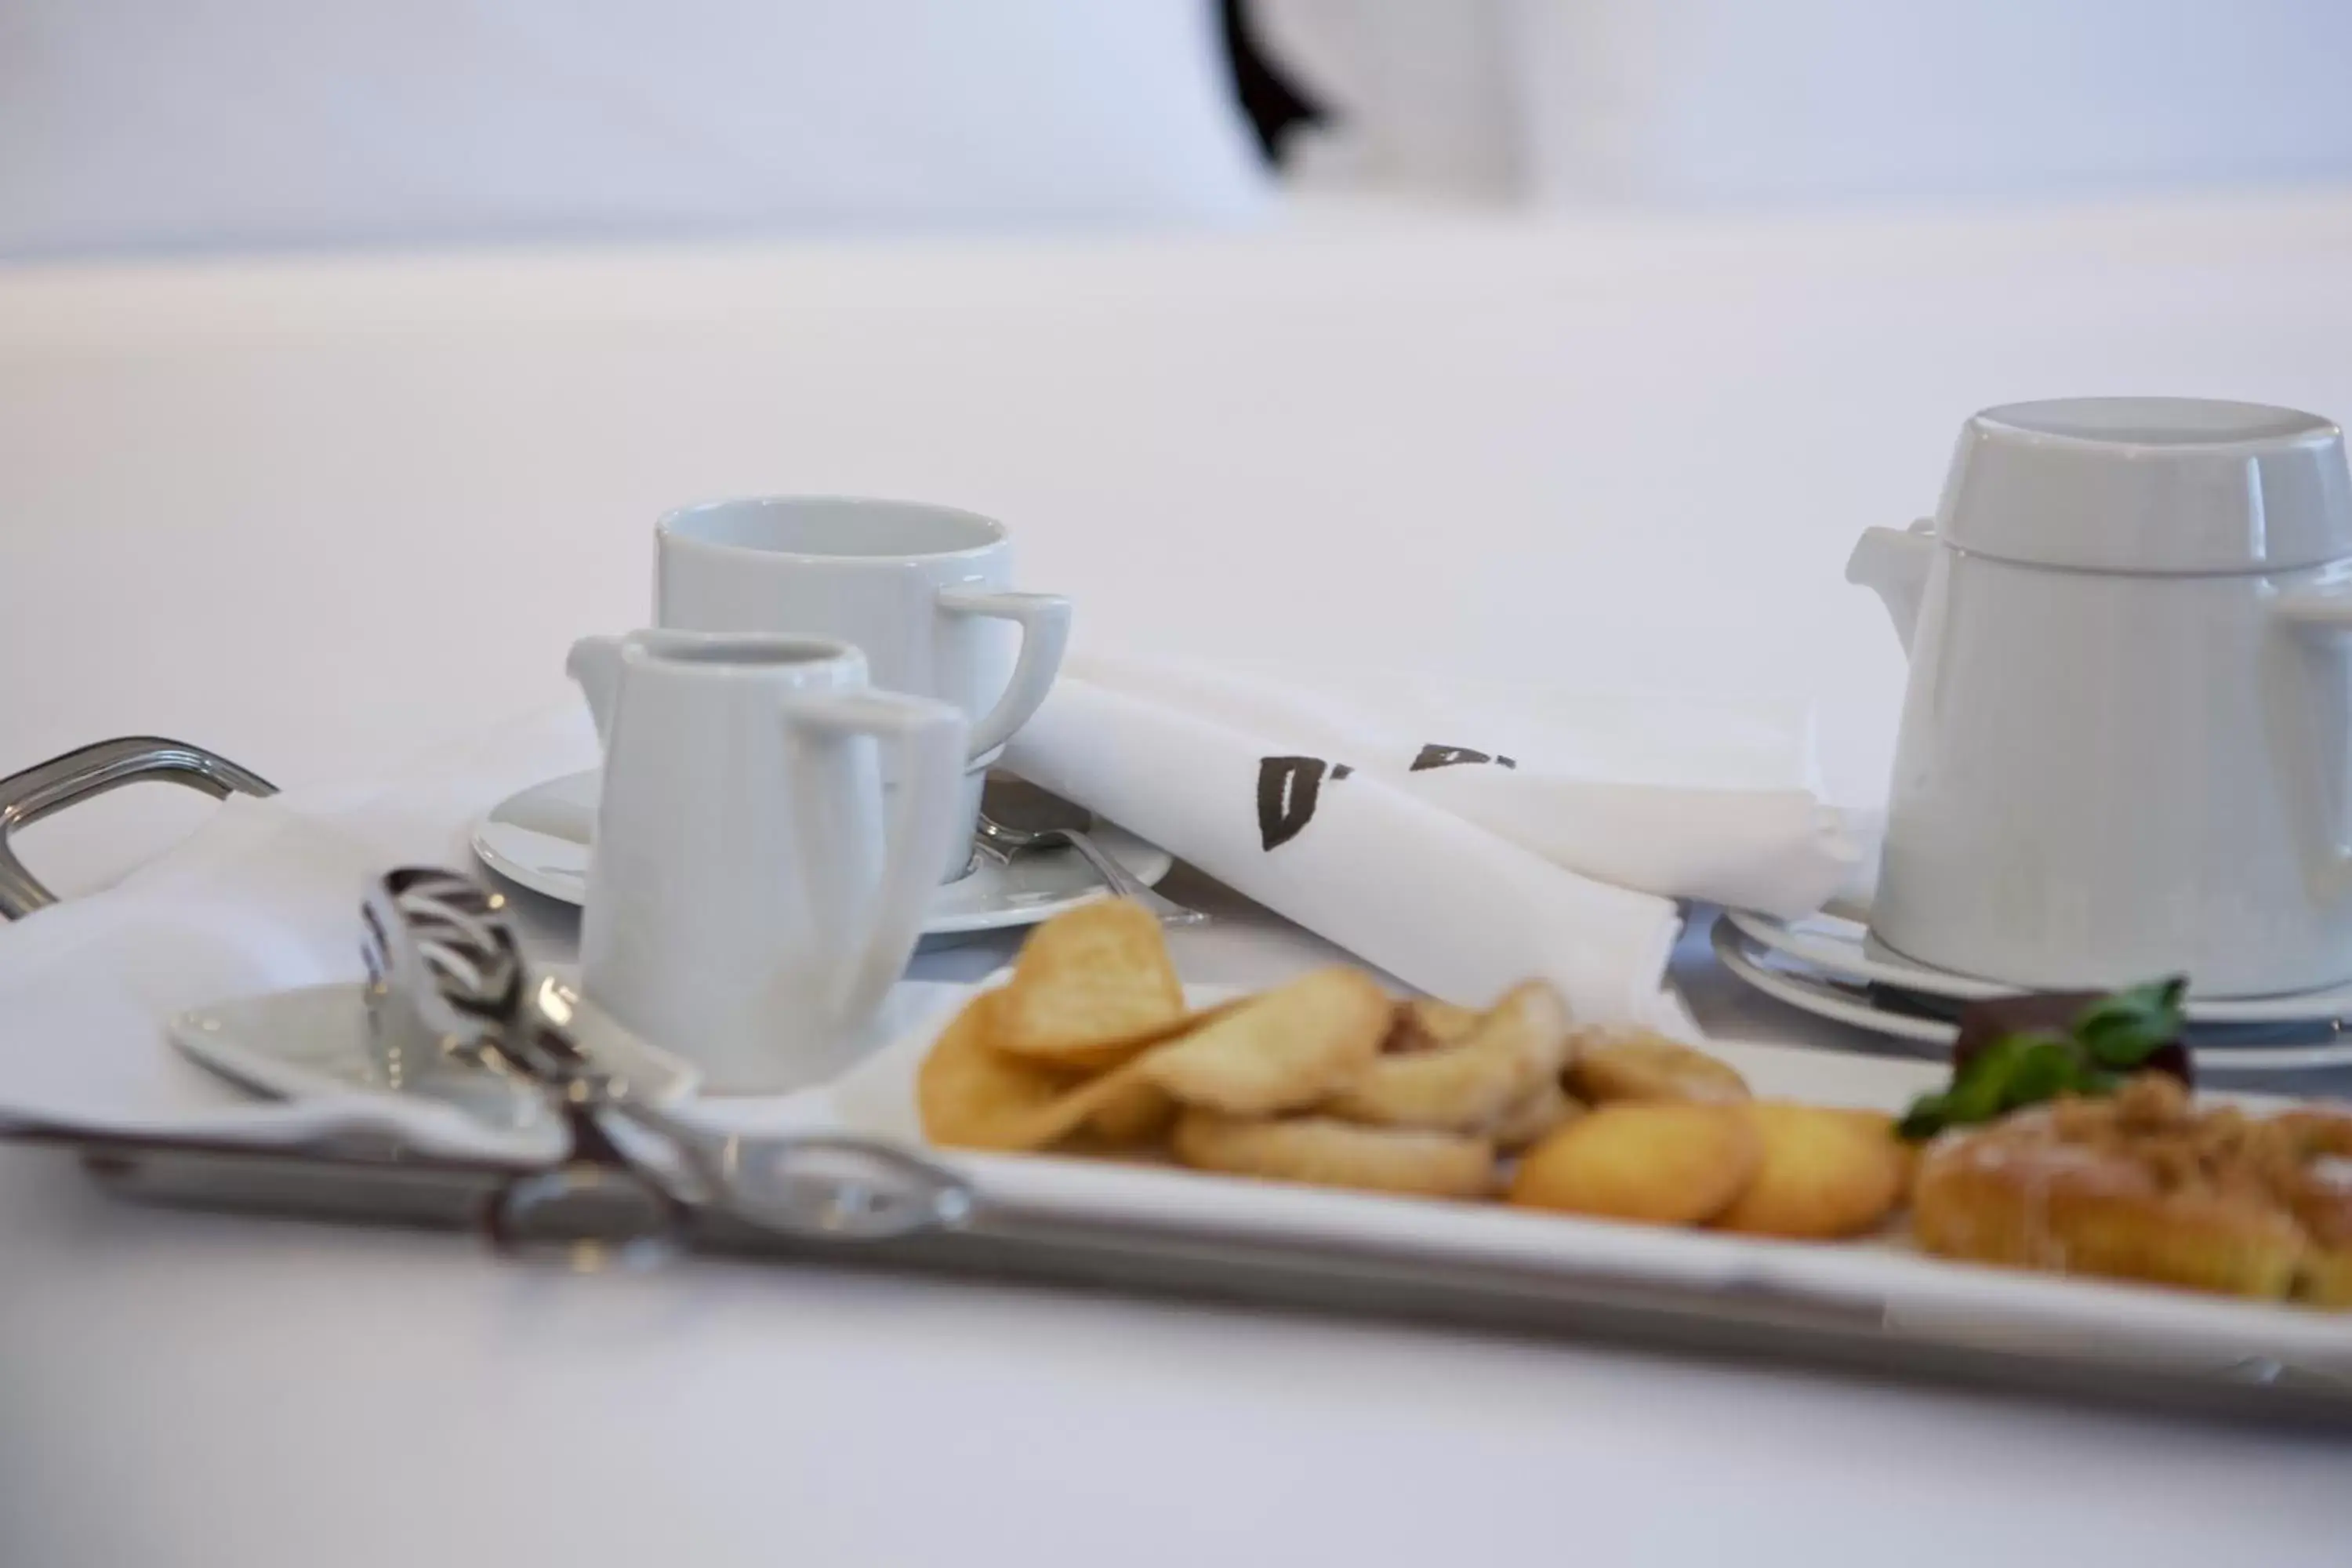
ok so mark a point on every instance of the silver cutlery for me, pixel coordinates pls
(447, 980)
(1017, 816)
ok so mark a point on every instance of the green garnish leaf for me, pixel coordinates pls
(1980, 1089)
(2126, 1028)
(2112, 1036)
(2047, 1066)
(1929, 1114)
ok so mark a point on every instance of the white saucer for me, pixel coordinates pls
(538, 839)
(1787, 976)
(1844, 948)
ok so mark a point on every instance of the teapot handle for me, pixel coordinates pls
(922, 746)
(2320, 616)
(2322, 609)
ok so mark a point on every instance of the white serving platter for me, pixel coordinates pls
(1881, 1282)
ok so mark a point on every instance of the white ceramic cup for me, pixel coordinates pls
(925, 590)
(2127, 744)
(752, 900)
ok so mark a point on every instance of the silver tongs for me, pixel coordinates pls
(448, 988)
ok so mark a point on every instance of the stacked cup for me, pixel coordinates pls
(794, 763)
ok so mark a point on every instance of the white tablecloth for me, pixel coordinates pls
(317, 515)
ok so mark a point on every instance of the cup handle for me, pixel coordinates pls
(596, 664)
(1045, 620)
(922, 746)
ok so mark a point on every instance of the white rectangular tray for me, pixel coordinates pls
(151, 1126)
(1165, 1229)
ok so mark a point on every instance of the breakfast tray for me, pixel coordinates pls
(1003, 1243)
(1069, 1225)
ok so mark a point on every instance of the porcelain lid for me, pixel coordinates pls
(2149, 484)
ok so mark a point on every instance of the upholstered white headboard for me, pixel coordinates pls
(1574, 101)
(171, 124)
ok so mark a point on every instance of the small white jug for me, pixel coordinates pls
(749, 907)
(2125, 750)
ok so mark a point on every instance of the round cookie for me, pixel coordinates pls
(1826, 1172)
(1666, 1163)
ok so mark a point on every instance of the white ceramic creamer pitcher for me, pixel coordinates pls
(2127, 743)
(749, 904)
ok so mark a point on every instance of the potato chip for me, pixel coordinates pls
(1425, 1024)
(1328, 1153)
(1137, 1113)
(1280, 1051)
(1826, 1172)
(1465, 1087)
(972, 1096)
(1446, 1021)
(1106, 1055)
(1614, 1063)
(1668, 1163)
(1091, 988)
(1544, 1109)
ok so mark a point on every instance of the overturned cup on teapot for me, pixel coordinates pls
(2127, 739)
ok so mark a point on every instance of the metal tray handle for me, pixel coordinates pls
(92, 770)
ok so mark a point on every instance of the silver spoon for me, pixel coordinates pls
(1016, 817)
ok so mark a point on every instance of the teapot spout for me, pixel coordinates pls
(1893, 564)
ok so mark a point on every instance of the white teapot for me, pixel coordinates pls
(2127, 742)
(751, 899)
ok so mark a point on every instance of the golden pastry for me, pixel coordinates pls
(1826, 1172)
(1668, 1163)
(2139, 1186)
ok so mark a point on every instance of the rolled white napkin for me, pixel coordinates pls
(1673, 795)
(1427, 895)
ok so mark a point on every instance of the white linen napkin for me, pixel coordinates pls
(1459, 839)
(1661, 794)
(1435, 900)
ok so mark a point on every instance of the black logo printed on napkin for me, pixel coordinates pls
(1437, 756)
(1287, 788)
